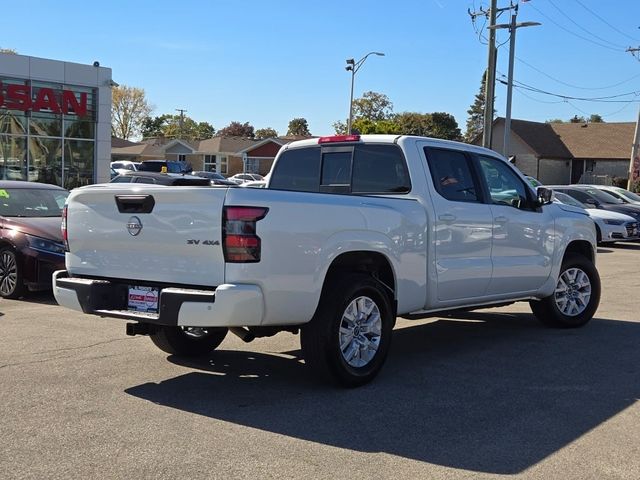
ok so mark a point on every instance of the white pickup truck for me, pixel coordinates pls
(350, 233)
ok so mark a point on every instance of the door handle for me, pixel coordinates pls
(501, 219)
(447, 217)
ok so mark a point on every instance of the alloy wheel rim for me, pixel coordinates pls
(8, 273)
(360, 332)
(573, 292)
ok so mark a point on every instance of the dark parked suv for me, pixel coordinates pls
(172, 166)
(31, 245)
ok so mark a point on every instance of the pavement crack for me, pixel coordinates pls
(67, 349)
(61, 350)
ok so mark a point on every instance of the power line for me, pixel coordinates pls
(582, 28)
(577, 86)
(605, 22)
(587, 39)
(605, 99)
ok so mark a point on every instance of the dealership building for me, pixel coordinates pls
(55, 121)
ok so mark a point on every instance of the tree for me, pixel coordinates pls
(444, 125)
(475, 122)
(413, 123)
(266, 133)
(129, 107)
(595, 118)
(299, 127)
(9, 51)
(237, 129)
(175, 126)
(437, 125)
(153, 126)
(555, 120)
(365, 126)
(373, 106)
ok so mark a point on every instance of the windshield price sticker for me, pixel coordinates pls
(143, 299)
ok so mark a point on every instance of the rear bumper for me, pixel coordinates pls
(225, 306)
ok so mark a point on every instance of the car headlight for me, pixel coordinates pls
(613, 222)
(44, 245)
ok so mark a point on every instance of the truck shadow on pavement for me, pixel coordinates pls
(485, 392)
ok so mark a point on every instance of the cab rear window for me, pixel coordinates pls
(358, 169)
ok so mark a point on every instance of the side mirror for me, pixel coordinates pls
(544, 196)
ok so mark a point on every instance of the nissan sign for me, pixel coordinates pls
(42, 99)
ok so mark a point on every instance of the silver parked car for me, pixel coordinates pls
(610, 226)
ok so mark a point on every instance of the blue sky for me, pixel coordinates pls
(266, 62)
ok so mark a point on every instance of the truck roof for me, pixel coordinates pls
(397, 139)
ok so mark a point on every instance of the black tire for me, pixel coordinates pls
(320, 338)
(188, 341)
(11, 281)
(547, 309)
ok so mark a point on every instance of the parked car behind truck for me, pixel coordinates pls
(351, 232)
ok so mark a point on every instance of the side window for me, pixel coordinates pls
(145, 180)
(451, 175)
(297, 170)
(580, 196)
(504, 185)
(379, 169)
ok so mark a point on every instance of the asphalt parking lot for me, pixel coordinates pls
(486, 394)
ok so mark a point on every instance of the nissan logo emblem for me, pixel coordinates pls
(134, 226)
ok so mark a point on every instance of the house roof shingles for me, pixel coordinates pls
(596, 140)
(225, 144)
(541, 138)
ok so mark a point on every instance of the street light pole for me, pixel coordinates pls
(512, 27)
(353, 67)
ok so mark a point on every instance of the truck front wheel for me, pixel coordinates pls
(349, 336)
(576, 297)
(188, 341)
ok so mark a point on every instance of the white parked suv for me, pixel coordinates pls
(350, 233)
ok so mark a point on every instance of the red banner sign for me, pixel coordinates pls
(18, 97)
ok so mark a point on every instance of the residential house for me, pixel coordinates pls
(226, 155)
(563, 153)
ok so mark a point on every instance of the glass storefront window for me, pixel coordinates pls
(47, 125)
(79, 129)
(12, 122)
(78, 163)
(13, 157)
(45, 156)
(47, 132)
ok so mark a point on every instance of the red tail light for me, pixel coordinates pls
(339, 138)
(63, 228)
(240, 243)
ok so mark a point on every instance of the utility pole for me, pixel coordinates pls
(490, 79)
(181, 121)
(634, 163)
(512, 27)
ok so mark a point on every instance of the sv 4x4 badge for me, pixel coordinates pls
(202, 242)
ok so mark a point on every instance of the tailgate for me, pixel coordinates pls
(160, 234)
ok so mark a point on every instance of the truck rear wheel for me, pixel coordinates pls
(349, 336)
(188, 341)
(576, 297)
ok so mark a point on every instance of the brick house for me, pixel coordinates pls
(226, 155)
(563, 153)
